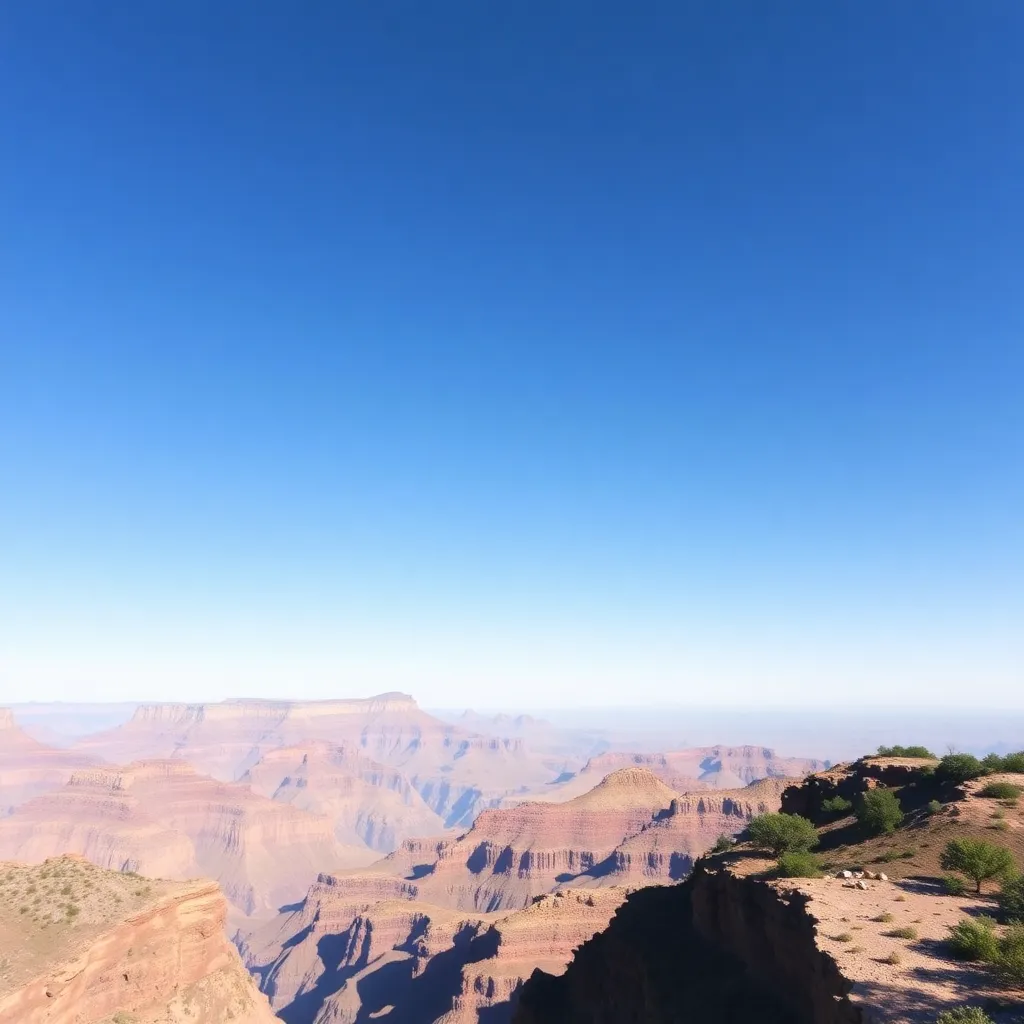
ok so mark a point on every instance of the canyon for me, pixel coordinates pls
(377, 862)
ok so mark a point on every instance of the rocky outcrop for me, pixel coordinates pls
(913, 775)
(158, 956)
(164, 819)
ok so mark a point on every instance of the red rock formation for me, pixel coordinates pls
(369, 803)
(163, 818)
(28, 767)
(165, 957)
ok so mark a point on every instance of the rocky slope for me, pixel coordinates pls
(164, 819)
(457, 772)
(28, 767)
(96, 946)
(797, 951)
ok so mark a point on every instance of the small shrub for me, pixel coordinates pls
(1011, 898)
(900, 899)
(1000, 791)
(893, 958)
(898, 751)
(722, 844)
(884, 918)
(843, 937)
(783, 833)
(960, 768)
(879, 811)
(798, 864)
(905, 932)
(1000, 826)
(964, 1015)
(954, 885)
(934, 807)
(887, 857)
(978, 859)
(974, 938)
(836, 805)
(1009, 962)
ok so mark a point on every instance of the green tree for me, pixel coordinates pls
(836, 805)
(1010, 961)
(898, 751)
(879, 811)
(783, 833)
(978, 859)
(1014, 762)
(959, 768)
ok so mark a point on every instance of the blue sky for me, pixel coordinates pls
(530, 354)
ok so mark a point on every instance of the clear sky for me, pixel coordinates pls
(535, 353)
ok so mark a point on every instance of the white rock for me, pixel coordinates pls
(860, 884)
(844, 874)
(882, 876)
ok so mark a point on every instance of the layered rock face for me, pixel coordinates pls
(146, 952)
(455, 771)
(28, 767)
(665, 850)
(347, 956)
(163, 818)
(369, 803)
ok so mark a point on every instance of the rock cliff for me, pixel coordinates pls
(120, 949)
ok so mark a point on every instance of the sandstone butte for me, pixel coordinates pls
(80, 945)
(28, 767)
(163, 819)
(520, 889)
(733, 943)
(456, 771)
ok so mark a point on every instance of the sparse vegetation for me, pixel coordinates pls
(843, 937)
(978, 859)
(964, 1015)
(1011, 898)
(783, 833)
(798, 864)
(893, 959)
(1009, 962)
(884, 918)
(898, 751)
(836, 805)
(904, 932)
(1000, 791)
(722, 844)
(954, 885)
(879, 811)
(974, 938)
(934, 807)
